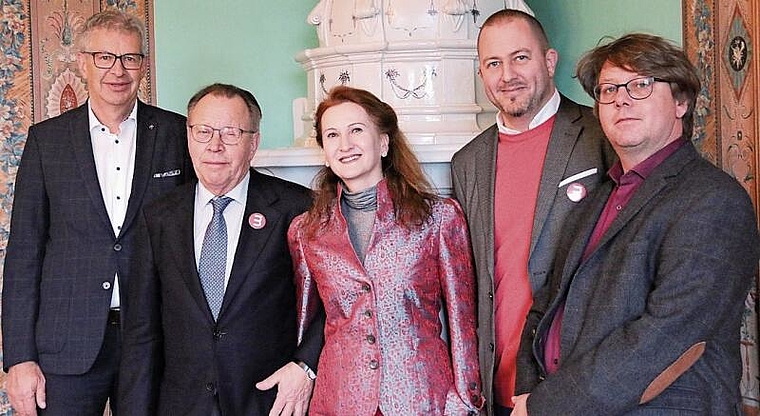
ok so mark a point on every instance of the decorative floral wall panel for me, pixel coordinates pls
(721, 39)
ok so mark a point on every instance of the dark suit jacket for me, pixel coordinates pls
(175, 357)
(577, 144)
(62, 252)
(663, 292)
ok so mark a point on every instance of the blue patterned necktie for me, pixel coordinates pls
(213, 261)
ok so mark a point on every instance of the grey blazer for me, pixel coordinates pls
(62, 252)
(652, 316)
(576, 145)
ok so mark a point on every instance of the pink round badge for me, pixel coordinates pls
(576, 191)
(257, 221)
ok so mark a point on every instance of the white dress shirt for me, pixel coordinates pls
(115, 164)
(233, 217)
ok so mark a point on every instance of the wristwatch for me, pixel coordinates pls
(309, 372)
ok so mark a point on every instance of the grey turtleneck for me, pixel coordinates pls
(359, 209)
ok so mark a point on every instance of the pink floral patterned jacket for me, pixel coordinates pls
(383, 346)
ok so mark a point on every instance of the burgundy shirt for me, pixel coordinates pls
(626, 185)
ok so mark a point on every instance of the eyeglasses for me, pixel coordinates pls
(637, 88)
(202, 133)
(106, 60)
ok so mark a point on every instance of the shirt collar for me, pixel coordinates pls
(547, 111)
(94, 122)
(238, 193)
(645, 168)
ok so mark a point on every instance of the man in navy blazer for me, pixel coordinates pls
(643, 312)
(197, 345)
(518, 182)
(83, 178)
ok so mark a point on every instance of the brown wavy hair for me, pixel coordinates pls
(408, 186)
(648, 55)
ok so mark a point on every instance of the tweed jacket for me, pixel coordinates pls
(652, 316)
(383, 345)
(62, 252)
(176, 359)
(576, 146)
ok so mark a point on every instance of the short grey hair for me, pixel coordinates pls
(111, 19)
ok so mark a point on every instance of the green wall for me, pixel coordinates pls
(251, 43)
(576, 26)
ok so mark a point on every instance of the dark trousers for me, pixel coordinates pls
(86, 394)
(499, 410)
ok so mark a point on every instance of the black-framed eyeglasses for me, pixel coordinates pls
(202, 133)
(637, 88)
(106, 60)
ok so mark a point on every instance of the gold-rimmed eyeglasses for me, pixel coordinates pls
(106, 60)
(637, 88)
(202, 133)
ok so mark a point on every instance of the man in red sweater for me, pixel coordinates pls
(517, 182)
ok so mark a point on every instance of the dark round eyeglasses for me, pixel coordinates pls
(637, 88)
(106, 60)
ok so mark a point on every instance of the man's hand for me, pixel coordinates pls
(293, 390)
(26, 388)
(521, 405)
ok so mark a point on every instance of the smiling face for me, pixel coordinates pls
(111, 90)
(220, 167)
(353, 146)
(516, 72)
(639, 128)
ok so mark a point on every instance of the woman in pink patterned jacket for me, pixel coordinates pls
(383, 255)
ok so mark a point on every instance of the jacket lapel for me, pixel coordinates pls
(563, 137)
(486, 183)
(179, 236)
(573, 273)
(146, 140)
(652, 185)
(252, 241)
(81, 143)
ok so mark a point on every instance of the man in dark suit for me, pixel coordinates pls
(197, 342)
(650, 287)
(517, 182)
(83, 178)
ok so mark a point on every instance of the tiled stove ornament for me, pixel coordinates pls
(417, 55)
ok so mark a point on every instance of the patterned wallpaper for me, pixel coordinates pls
(718, 40)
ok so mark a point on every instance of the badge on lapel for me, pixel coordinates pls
(257, 221)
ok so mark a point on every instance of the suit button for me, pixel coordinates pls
(371, 339)
(490, 346)
(475, 398)
(218, 334)
(117, 247)
(473, 385)
(533, 332)
(490, 295)
(365, 287)
(106, 285)
(373, 364)
(210, 387)
(368, 313)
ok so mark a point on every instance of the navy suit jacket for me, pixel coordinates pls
(576, 145)
(652, 316)
(62, 252)
(176, 360)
